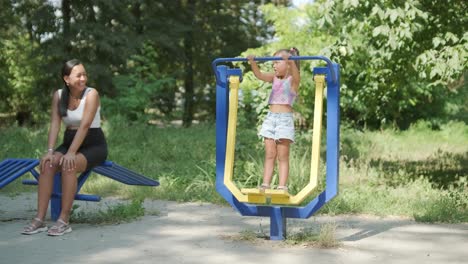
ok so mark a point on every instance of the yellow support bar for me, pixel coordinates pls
(231, 140)
(317, 130)
(277, 196)
(316, 135)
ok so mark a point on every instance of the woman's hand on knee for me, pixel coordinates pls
(46, 160)
(68, 161)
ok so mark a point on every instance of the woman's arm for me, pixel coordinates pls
(266, 77)
(54, 129)
(90, 109)
(55, 119)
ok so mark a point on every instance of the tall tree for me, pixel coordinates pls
(108, 35)
(22, 59)
(188, 47)
(397, 57)
(215, 29)
(9, 24)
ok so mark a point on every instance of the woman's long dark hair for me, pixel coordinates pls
(66, 70)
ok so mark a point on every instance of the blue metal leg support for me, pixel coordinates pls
(56, 202)
(277, 224)
(56, 197)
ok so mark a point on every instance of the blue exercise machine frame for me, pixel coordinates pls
(279, 214)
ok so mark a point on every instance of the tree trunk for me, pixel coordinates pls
(23, 118)
(188, 67)
(136, 11)
(66, 27)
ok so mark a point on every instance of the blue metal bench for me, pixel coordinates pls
(11, 169)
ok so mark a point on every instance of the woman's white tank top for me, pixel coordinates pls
(73, 118)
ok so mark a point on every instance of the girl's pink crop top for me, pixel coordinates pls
(281, 92)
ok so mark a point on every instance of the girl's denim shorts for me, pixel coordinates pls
(278, 126)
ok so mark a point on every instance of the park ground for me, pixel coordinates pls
(172, 232)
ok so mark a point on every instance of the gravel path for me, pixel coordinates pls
(203, 233)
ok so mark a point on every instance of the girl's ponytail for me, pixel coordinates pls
(295, 52)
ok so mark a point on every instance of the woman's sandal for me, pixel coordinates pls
(59, 228)
(36, 226)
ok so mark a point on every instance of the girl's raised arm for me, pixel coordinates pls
(266, 77)
(296, 75)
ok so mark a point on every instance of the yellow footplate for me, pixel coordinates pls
(254, 195)
(278, 196)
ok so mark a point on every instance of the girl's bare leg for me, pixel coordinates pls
(270, 157)
(283, 161)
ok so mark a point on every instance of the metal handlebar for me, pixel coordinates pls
(327, 60)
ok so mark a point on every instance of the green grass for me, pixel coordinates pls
(114, 214)
(417, 199)
(324, 237)
(419, 173)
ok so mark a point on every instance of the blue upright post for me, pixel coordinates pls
(277, 224)
(333, 134)
(56, 200)
(222, 101)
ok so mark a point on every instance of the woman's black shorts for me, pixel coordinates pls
(94, 146)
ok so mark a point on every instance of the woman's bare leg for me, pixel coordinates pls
(69, 185)
(45, 185)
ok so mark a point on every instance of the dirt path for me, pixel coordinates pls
(197, 233)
